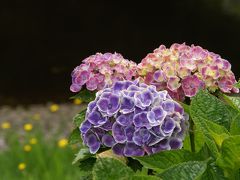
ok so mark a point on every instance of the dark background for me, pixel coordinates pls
(42, 41)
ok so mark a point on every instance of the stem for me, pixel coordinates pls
(191, 135)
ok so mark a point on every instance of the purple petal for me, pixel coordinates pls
(82, 78)
(108, 140)
(140, 120)
(85, 126)
(119, 85)
(168, 105)
(107, 126)
(168, 126)
(127, 104)
(133, 150)
(119, 133)
(75, 88)
(162, 145)
(91, 106)
(96, 118)
(178, 108)
(175, 143)
(118, 149)
(159, 113)
(92, 84)
(102, 104)
(154, 139)
(151, 117)
(146, 98)
(129, 131)
(125, 119)
(159, 76)
(94, 148)
(141, 136)
(91, 139)
(113, 105)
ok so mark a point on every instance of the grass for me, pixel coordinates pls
(46, 159)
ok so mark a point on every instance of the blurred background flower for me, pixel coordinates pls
(5, 125)
(21, 166)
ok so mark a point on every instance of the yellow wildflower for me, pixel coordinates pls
(54, 108)
(6, 125)
(62, 143)
(21, 166)
(27, 148)
(77, 101)
(36, 116)
(33, 141)
(28, 127)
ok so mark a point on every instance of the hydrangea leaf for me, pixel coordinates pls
(86, 167)
(85, 95)
(198, 140)
(79, 118)
(235, 125)
(237, 85)
(144, 177)
(165, 159)
(190, 170)
(74, 136)
(211, 108)
(214, 134)
(82, 155)
(233, 101)
(234, 109)
(229, 157)
(109, 169)
(213, 172)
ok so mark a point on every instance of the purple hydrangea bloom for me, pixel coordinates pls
(134, 119)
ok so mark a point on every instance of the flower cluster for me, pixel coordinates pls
(182, 70)
(133, 119)
(99, 70)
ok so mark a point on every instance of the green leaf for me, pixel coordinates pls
(233, 101)
(198, 140)
(74, 137)
(83, 154)
(213, 172)
(185, 171)
(166, 159)
(210, 121)
(144, 177)
(219, 133)
(79, 118)
(211, 108)
(235, 125)
(237, 85)
(202, 125)
(85, 95)
(86, 167)
(229, 158)
(109, 169)
(87, 164)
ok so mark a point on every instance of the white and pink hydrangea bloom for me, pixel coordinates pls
(182, 70)
(99, 70)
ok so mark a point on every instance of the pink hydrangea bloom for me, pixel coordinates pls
(182, 70)
(99, 70)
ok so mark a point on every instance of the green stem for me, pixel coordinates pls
(191, 134)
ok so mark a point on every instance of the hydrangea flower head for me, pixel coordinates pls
(99, 70)
(134, 119)
(182, 70)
